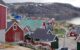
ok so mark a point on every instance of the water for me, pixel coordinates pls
(75, 21)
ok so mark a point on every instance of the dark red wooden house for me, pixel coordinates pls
(73, 34)
(14, 33)
(3, 23)
(3, 16)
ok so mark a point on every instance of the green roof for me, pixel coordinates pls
(33, 24)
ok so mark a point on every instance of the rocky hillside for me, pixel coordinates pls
(60, 11)
(2, 2)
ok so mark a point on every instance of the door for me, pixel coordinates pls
(17, 37)
(78, 45)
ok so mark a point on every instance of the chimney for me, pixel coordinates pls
(44, 25)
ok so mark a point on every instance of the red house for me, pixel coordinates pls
(3, 23)
(14, 33)
(3, 16)
(73, 34)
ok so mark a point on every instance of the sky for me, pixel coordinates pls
(73, 2)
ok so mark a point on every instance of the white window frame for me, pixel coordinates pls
(49, 31)
(14, 27)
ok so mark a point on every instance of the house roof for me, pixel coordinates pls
(9, 24)
(42, 35)
(33, 24)
(77, 30)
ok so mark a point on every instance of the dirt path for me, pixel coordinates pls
(17, 48)
(70, 43)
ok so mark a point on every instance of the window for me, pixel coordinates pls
(37, 39)
(14, 27)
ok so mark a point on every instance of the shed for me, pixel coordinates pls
(14, 33)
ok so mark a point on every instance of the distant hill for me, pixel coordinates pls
(2, 2)
(59, 11)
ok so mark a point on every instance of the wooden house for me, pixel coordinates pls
(73, 32)
(3, 23)
(44, 37)
(14, 33)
